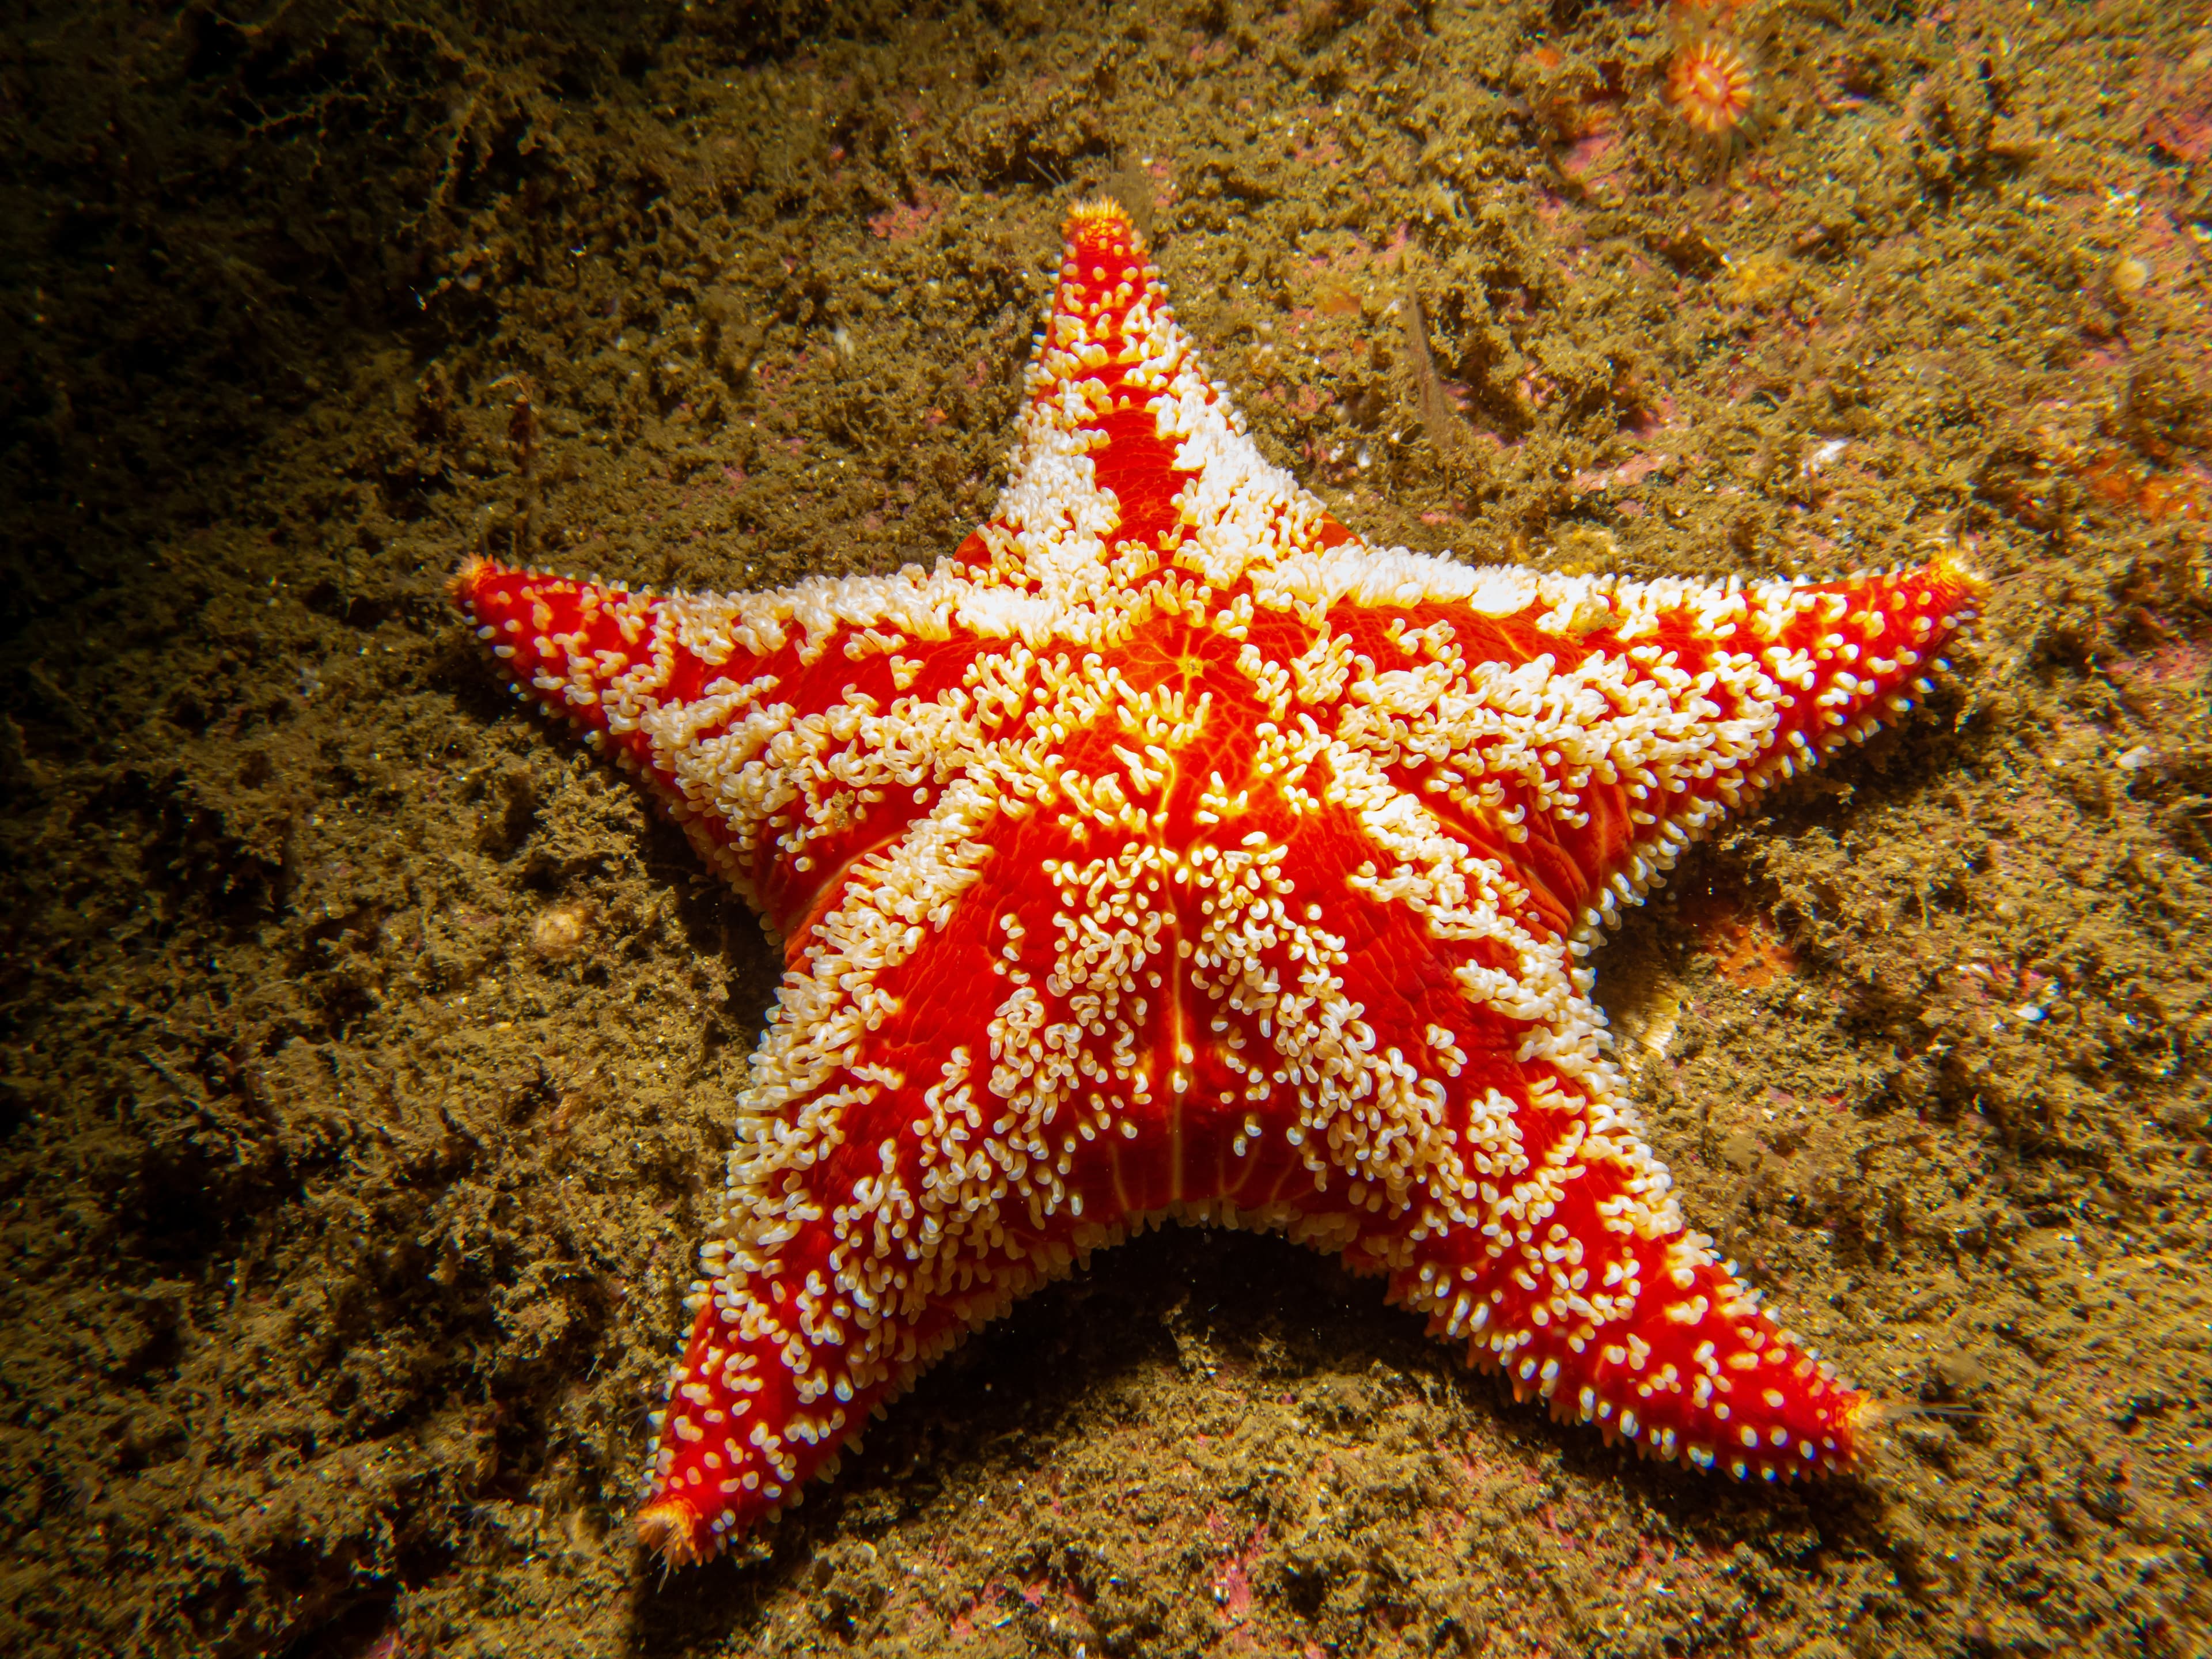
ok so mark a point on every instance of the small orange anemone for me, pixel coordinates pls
(1711, 85)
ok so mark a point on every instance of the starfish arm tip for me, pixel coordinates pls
(1870, 1413)
(461, 587)
(669, 1527)
(1097, 210)
(1969, 585)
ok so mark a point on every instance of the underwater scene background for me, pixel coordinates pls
(366, 1060)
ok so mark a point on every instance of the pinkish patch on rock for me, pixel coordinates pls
(903, 222)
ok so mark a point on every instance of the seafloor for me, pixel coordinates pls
(366, 1056)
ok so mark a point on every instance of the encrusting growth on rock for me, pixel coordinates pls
(1166, 852)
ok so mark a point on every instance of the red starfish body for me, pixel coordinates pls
(1167, 851)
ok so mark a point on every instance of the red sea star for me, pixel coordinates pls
(1168, 852)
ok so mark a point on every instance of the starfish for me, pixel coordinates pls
(1167, 853)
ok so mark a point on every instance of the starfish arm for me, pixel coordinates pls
(846, 1255)
(1002, 1049)
(1440, 1067)
(791, 732)
(1587, 728)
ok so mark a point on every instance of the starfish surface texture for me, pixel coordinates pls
(1168, 852)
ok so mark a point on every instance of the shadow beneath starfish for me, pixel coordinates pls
(1113, 1419)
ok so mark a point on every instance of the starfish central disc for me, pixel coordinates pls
(1168, 852)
